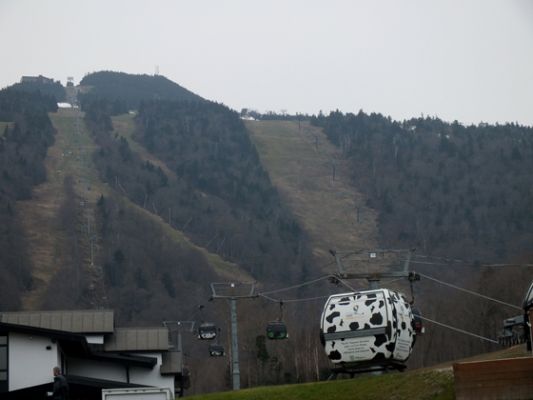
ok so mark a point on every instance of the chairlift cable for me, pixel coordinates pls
(447, 261)
(273, 300)
(457, 329)
(298, 285)
(470, 292)
(507, 265)
(307, 283)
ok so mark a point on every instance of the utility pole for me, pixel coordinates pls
(233, 292)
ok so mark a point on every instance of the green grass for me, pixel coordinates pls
(395, 386)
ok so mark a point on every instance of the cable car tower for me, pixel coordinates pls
(375, 259)
(233, 291)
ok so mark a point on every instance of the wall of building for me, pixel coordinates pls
(117, 372)
(143, 376)
(31, 360)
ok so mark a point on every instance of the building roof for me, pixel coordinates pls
(172, 363)
(75, 344)
(138, 339)
(84, 321)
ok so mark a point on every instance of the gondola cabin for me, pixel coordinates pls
(276, 330)
(216, 350)
(373, 326)
(207, 331)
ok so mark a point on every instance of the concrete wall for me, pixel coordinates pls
(30, 362)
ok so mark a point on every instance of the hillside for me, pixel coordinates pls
(127, 91)
(211, 184)
(44, 86)
(141, 211)
(433, 182)
(428, 383)
(61, 222)
(59, 215)
(23, 145)
(315, 182)
(407, 386)
(461, 196)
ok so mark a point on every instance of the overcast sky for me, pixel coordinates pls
(455, 59)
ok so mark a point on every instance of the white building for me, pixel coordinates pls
(92, 353)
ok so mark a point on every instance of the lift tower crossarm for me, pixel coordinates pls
(374, 278)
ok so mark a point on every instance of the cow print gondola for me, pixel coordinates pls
(367, 326)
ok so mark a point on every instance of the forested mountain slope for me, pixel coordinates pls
(449, 189)
(43, 86)
(141, 211)
(23, 146)
(126, 91)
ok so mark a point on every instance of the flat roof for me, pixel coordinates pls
(82, 321)
(138, 339)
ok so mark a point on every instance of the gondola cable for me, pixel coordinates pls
(470, 291)
(273, 300)
(457, 329)
(307, 283)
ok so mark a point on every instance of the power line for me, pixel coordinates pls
(457, 329)
(470, 292)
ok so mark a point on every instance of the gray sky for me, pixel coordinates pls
(470, 60)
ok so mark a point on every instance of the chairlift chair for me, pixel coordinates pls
(216, 350)
(207, 331)
(277, 330)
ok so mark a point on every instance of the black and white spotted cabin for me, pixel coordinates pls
(371, 325)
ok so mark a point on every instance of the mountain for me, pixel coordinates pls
(127, 91)
(43, 85)
(140, 211)
(433, 182)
